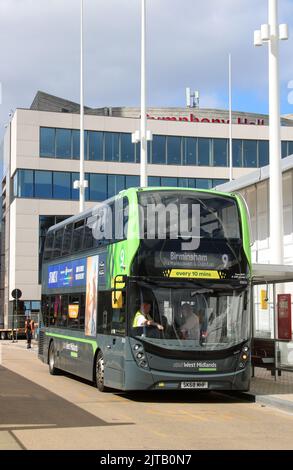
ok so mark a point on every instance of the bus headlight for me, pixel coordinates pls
(244, 357)
(139, 356)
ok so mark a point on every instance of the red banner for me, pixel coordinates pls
(284, 316)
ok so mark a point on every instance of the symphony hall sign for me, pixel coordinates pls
(192, 118)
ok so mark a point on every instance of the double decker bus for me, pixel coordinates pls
(133, 301)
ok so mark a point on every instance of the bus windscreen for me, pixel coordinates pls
(170, 214)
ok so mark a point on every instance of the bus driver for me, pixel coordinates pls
(143, 318)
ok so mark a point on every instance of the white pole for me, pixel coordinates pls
(143, 118)
(276, 196)
(81, 170)
(230, 122)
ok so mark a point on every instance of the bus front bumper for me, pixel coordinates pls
(137, 378)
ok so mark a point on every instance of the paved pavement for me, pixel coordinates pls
(277, 392)
(39, 411)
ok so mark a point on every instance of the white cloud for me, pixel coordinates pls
(188, 45)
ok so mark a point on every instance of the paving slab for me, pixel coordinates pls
(8, 442)
(273, 391)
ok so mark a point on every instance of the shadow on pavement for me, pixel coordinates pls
(178, 396)
(173, 396)
(23, 403)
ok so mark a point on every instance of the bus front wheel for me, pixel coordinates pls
(52, 360)
(100, 369)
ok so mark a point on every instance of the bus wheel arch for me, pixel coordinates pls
(94, 363)
(98, 374)
(52, 359)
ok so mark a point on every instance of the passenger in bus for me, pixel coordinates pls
(143, 318)
(190, 328)
(203, 322)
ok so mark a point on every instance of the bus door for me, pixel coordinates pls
(115, 350)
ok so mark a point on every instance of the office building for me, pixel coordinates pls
(41, 161)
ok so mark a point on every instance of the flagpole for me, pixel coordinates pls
(143, 117)
(81, 170)
(230, 122)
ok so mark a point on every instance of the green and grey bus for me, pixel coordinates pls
(133, 307)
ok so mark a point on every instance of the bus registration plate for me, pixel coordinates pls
(197, 385)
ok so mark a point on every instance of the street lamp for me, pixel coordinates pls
(230, 122)
(272, 33)
(143, 135)
(81, 184)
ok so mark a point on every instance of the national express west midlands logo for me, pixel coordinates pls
(198, 365)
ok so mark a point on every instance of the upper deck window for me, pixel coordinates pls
(219, 217)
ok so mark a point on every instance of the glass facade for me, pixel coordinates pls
(24, 183)
(115, 184)
(287, 148)
(170, 150)
(237, 149)
(75, 145)
(250, 154)
(59, 184)
(43, 184)
(63, 143)
(220, 156)
(95, 146)
(263, 153)
(168, 181)
(97, 187)
(203, 149)
(174, 150)
(189, 151)
(127, 149)
(47, 142)
(188, 182)
(158, 154)
(112, 146)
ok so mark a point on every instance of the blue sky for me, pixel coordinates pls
(188, 45)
